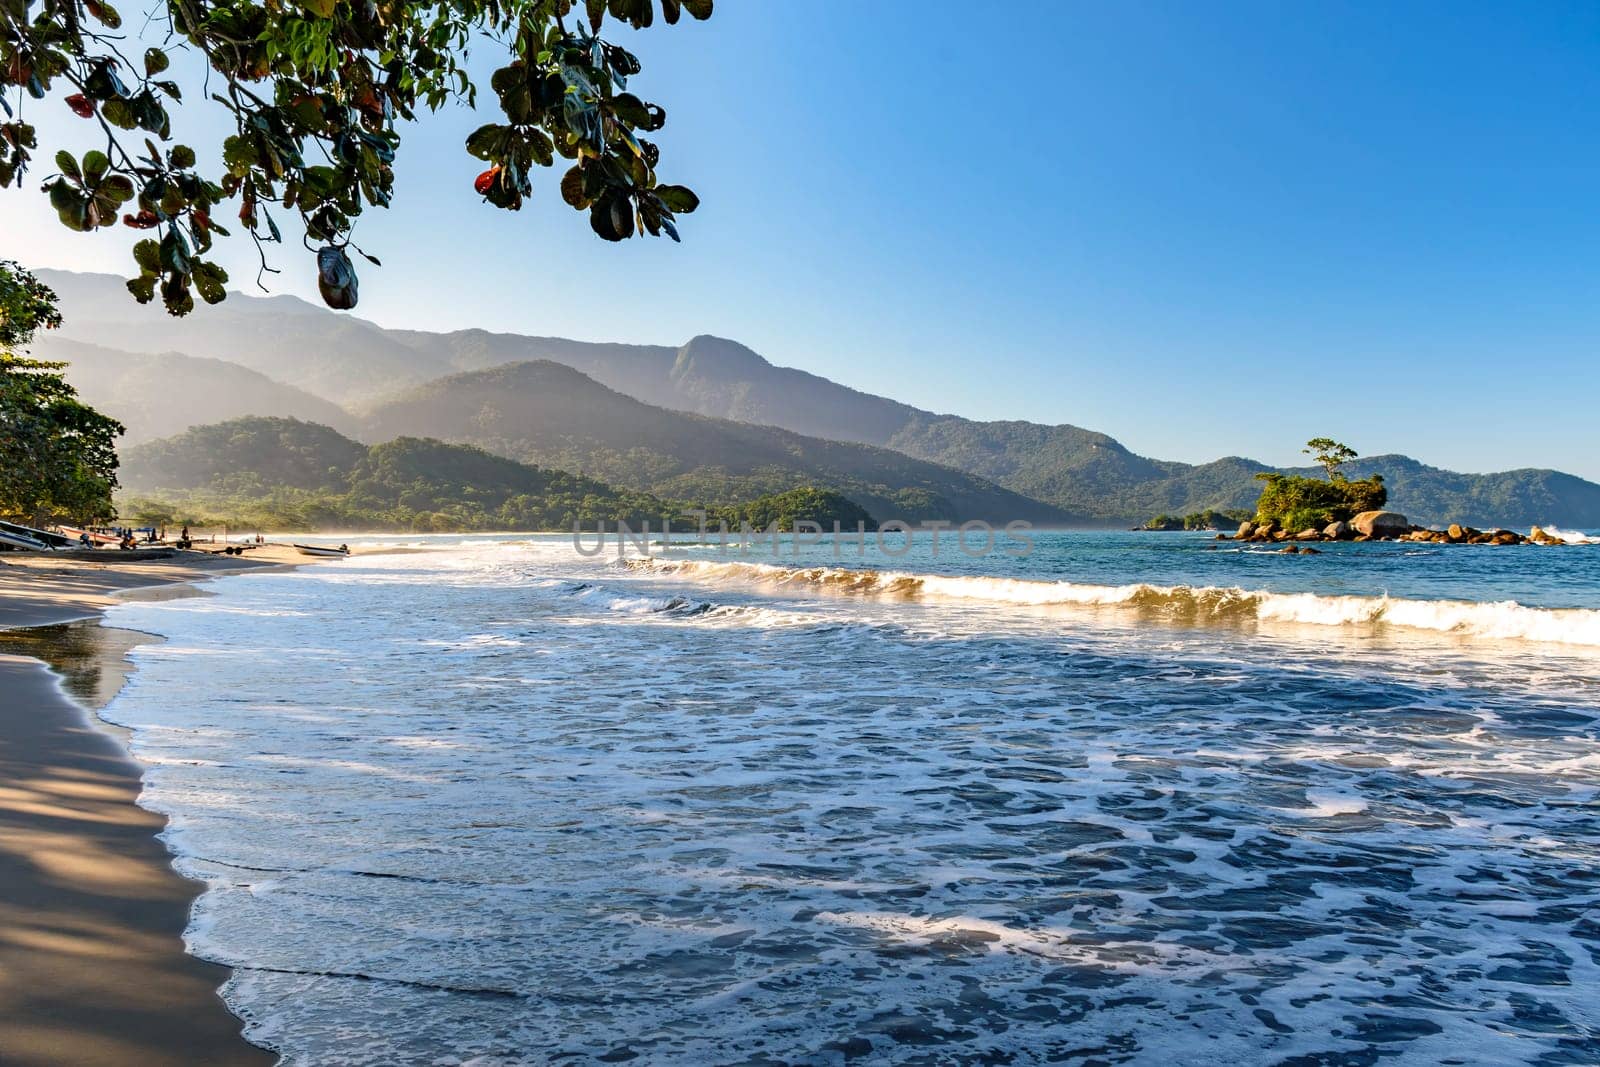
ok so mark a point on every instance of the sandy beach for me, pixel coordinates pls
(92, 963)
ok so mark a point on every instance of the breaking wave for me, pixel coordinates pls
(1503, 620)
(1572, 537)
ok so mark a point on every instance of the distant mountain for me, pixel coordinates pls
(162, 393)
(338, 357)
(242, 456)
(547, 413)
(1078, 472)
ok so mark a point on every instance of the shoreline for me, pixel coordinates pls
(93, 965)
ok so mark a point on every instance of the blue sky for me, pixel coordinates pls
(1203, 228)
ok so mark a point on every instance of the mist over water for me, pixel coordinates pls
(502, 804)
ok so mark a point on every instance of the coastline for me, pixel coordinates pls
(93, 968)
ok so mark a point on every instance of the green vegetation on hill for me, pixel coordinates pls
(549, 414)
(289, 475)
(809, 504)
(283, 474)
(1210, 519)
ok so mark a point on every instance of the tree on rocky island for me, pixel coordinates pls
(315, 89)
(1297, 503)
(59, 454)
(1330, 455)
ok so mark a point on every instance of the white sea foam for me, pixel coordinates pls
(518, 808)
(1506, 620)
(1572, 537)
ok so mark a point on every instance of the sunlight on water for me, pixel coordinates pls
(505, 805)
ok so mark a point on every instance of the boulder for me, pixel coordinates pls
(1308, 535)
(1505, 537)
(1290, 550)
(1455, 534)
(1336, 531)
(1246, 528)
(1540, 536)
(1381, 524)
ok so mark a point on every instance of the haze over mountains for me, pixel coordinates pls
(709, 416)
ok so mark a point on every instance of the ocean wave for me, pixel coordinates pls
(1572, 537)
(1502, 620)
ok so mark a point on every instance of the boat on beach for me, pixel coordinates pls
(318, 550)
(23, 541)
(99, 537)
(45, 538)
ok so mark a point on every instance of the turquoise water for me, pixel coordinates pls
(1129, 800)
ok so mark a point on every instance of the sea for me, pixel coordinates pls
(1096, 798)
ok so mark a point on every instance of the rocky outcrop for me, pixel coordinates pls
(1387, 526)
(1381, 524)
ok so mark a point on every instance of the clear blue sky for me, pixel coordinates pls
(1203, 228)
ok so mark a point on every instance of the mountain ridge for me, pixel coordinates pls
(1079, 472)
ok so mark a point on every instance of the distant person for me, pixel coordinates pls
(345, 549)
(83, 539)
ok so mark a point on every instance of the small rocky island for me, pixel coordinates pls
(1297, 510)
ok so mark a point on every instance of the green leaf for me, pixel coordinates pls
(119, 113)
(211, 280)
(174, 252)
(117, 189)
(147, 253)
(700, 9)
(143, 288)
(68, 165)
(181, 156)
(321, 8)
(679, 199)
(155, 61)
(95, 165)
(488, 142)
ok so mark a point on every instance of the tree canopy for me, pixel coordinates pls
(316, 90)
(1330, 455)
(58, 455)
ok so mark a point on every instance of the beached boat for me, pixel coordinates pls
(50, 540)
(317, 550)
(16, 540)
(98, 537)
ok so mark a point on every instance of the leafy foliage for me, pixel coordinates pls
(1296, 503)
(59, 454)
(284, 474)
(315, 90)
(1330, 455)
(806, 504)
(1209, 519)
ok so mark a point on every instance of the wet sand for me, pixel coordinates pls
(92, 964)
